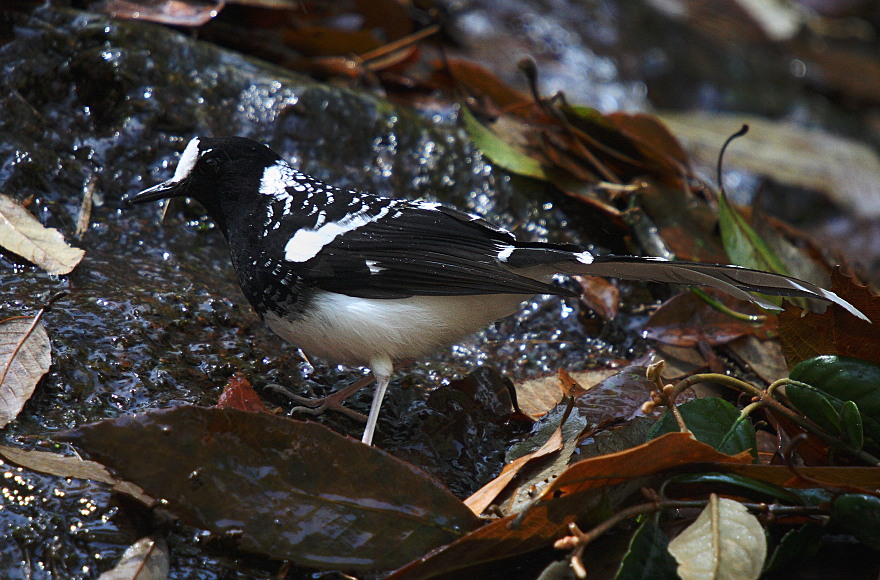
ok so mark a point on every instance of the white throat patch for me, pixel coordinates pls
(187, 161)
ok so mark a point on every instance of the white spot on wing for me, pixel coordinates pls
(374, 266)
(504, 253)
(307, 242)
(187, 161)
(584, 257)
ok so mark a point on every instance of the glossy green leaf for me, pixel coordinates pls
(648, 552)
(734, 484)
(502, 153)
(713, 421)
(828, 416)
(831, 380)
(845, 378)
(858, 515)
(851, 424)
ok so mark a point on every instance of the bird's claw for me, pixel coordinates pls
(332, 402)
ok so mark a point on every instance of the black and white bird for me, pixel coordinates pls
(360, 279)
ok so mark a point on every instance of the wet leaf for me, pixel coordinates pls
(841, 395)
(654, 141)
(239, 394)
(22, 234)
(662, 453)
(71, 466)
(477, 80)
(863, 477)
(146, 559)
(647, 554)
(540, 473)
(600, 296)
(328, 41)
(25, 356)
(731, 483)
(173, 12)
(685, 223)
(563, 501)
(538, 396)
(483, 498)
(725, 542)
(715, 422)
(844, 378)
(835, 331)
(503, 153)
(764, 357)
(282, 488)
(687, 320)
(851, 423)
(859, 515)
(619, 396)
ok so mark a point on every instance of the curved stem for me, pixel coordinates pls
(757, 319)
(766, 398)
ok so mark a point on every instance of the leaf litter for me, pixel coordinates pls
(22, 234)
(632, 171)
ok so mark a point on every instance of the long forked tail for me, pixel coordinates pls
(734, 280)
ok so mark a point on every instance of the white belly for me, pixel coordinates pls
(348, 330)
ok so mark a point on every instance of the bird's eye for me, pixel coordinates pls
(212, 164)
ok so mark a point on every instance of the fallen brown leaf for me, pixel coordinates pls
(22, 234)
(25, 356)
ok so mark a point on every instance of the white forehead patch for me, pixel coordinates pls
(187, 161)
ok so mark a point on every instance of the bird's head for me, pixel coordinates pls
(219, 173)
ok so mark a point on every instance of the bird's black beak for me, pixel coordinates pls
(163, 190)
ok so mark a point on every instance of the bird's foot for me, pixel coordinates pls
(332, 402)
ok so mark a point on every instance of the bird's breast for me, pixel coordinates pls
(352, 330)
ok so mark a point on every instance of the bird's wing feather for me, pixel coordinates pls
(420, 249)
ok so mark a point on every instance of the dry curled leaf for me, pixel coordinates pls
(22, 234)
(146, 559)
(725, 542)
(25, 356)
(71, 466)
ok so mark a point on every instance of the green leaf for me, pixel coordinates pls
(824, 408)
(831, 380)
(648, 552)
(713, 421)
(743, 245)
(851, 423)
(830, 418)
(846, 378)
(502, 153)
(795, 547)
(858, 515)
(736, 484)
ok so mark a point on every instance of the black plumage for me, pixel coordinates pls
(364, 279)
